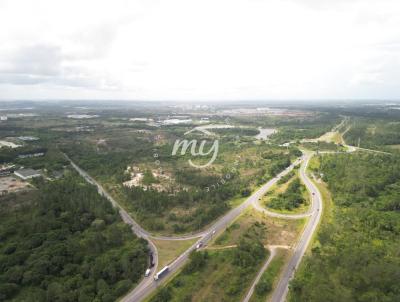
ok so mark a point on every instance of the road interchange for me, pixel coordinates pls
(314, 213)
(148, 285)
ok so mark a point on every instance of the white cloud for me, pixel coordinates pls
(224, 49)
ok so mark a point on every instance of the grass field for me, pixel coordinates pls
(169, 250)
(332, 137)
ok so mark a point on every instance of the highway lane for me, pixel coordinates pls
(280, 292)
(141, 292)
(148, 285)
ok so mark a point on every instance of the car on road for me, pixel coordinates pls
(199, 245)
(147, 273)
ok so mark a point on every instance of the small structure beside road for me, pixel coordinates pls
(26, 174)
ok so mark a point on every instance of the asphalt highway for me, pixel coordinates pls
(148, 284)
(280, 292)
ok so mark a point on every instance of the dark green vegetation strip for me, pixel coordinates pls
(65, 242)
(357, 256)
(269, 277)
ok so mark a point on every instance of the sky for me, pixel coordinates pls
(200, 50)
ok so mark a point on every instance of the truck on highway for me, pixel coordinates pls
(151, 259)
(161, 273)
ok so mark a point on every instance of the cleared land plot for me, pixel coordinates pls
(276, 231)
(10, 184)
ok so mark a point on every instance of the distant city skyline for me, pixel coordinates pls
(200, 50)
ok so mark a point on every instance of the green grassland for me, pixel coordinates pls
(169, 250)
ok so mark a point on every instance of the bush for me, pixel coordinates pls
(263, 287)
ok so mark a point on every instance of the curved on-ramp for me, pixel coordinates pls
(281, 291)
(148, 285)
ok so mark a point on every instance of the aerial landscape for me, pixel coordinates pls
(151, 152)
(95, 206)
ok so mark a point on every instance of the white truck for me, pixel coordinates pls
(161, 273)
(147, 273)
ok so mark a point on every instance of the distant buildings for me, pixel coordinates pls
(26, 174)
(141, 119)
(38, 154)
(28, 138)
(175, 121)
(82, 116)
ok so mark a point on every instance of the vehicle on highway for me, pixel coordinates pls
(161, 273)
(199, 245)
(213, 232)
(147, 273)
(151, 260)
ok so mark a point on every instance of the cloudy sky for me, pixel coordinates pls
(200, 50)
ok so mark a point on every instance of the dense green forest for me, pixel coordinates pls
(65, 242)
(356, 257)
(373, 133)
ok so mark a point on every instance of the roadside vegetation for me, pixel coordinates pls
(356, 256)
(270, 277)
(218, 275)
(271, 231)
(169, 250)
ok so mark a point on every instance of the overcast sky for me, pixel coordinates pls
(199, 50)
